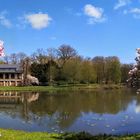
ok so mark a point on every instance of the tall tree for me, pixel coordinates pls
(88, 73)
(40, 72)
(40, 56)
(112, 70)
(99, 65)
(14, 58)
(125, 68)
(65, 52)
(134, 73)
(71, 70)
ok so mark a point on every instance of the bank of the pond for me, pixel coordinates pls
(61, 87)
(21, 135)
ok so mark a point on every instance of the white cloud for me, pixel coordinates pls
(93, 11)
(134, 11)
(5, 21)
(95, 14)
(38, 21)
(122, 3)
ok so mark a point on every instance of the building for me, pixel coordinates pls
(10, 75)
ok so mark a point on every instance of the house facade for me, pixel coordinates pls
(10, 75)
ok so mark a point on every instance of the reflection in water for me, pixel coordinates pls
(95, 112)
(16, 97)
(137, 109)
(12, 101)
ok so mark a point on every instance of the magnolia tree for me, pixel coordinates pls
(1, 48)
(134, 74)
(32, 80)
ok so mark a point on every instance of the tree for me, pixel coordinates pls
(21, 57)
(13, 58)
(40, 56)
(26, 69)
(112, 70)
(125, 68)
(64, 53)
(134, 73)
(6, 59)
(39, 71)
(52, 64)
(99, 65)
(71, 70)
(88, 73)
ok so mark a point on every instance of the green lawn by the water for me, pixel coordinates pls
(61, 87)
(21, 135)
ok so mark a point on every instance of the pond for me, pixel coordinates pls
(96, 112)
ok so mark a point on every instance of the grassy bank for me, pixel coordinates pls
(61, 87)
(21, 135)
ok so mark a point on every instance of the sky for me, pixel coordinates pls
(92, 27)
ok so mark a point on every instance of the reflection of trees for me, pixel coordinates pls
(137, 109)
(70, 106)
(16, 103)
(65, 108)
(27, 98)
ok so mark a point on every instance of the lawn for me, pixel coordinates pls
(61, 87)
(21, 135)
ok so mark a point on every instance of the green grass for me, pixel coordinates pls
(21, 135)
(61, 87)
(7, 134)
(86, 136)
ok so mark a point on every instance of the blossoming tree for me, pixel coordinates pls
(134, 73)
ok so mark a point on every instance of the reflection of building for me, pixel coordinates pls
(9, 98)
(16, 97)
(10, 75)
(17, 102)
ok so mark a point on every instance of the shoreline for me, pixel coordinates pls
(10, 134)
(63, 87)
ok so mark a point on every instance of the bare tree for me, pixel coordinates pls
(21, 57)
(51, 53)
(65, 52)
(6, 59)
(40, 56)
(13, 58)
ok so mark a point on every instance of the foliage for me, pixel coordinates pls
(134, 73)
(64, 65)
(88, 73)
(125, 68)
(39, 71)
(113, 70)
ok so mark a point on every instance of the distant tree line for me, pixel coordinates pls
(65, 66)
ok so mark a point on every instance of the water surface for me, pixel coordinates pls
(96, 112)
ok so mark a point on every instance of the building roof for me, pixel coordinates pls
(8, 68)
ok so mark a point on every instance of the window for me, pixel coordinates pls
(1, 76)
(12, 76)
(6, 76)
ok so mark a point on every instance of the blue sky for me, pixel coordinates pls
(92, 27)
